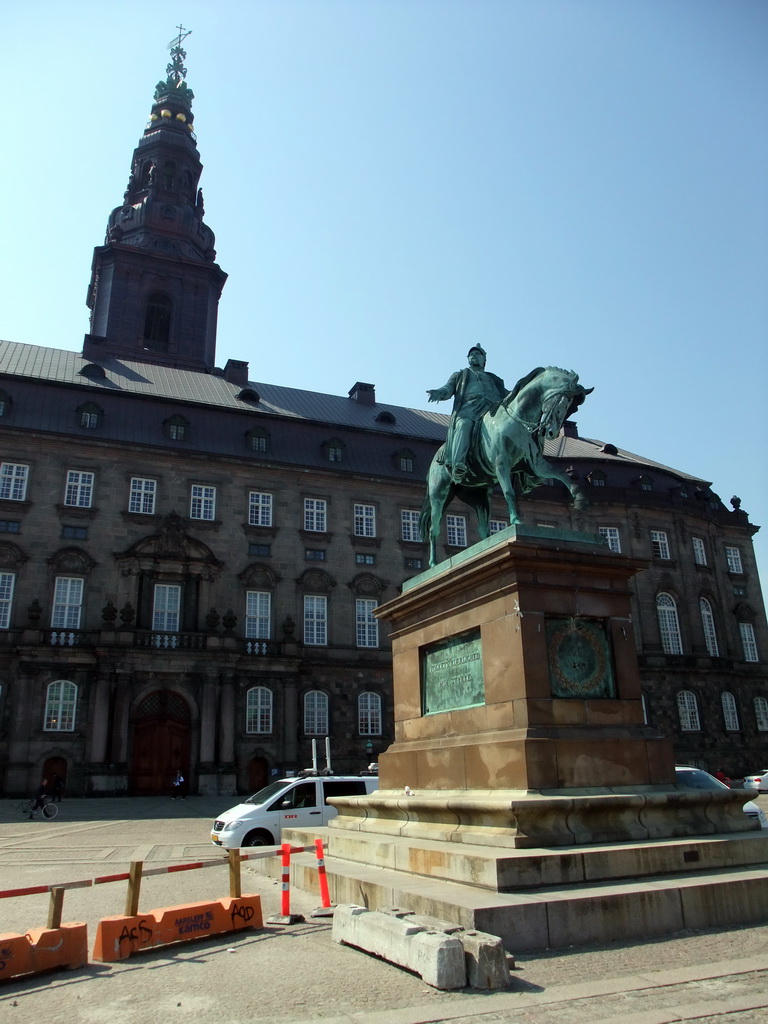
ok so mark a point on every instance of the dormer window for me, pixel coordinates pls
(90, 416)
(386, 417)
(157, 322)
(257, 439)
(177, 428)
(249, 395)
(405, 460)
(596, 478)
(334, 450)
(5, 404)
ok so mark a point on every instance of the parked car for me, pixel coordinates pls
(695, 778)
(298, 802)
(758, 782)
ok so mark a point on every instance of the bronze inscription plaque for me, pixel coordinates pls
(452, 674)
(579, 656)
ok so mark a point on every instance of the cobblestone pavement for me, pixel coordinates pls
(296, 973)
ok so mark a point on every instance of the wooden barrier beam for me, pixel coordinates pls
(119, 937)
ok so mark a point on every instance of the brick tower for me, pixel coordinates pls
(155, 285)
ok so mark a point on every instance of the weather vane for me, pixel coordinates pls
(176, 71)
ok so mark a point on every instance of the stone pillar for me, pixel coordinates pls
(99, 734)
(290, 722)
(207, 769)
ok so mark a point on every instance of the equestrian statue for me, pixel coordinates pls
(497, 436)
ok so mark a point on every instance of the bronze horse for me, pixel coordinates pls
(508, 446)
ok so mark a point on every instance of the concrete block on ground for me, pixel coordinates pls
(437, 958)
(486, 960)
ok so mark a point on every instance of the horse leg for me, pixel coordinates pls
(504, 476)
(544, 468)
(439, 489)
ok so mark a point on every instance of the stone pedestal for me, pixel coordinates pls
(518, 714)
(523, 795)
(515, 668)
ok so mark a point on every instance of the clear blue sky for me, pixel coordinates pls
(576, 182)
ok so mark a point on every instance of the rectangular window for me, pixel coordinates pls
(414, 563)
(699, 551)
(748, 643)
(259, 508)
(366, 624)
(315, 514)
(334, 453)
(406, 464)
(365, 559)
(13, 481)
(365, 521)
(79, 489)
(203, 503)
(316, 621)
(456, 527)
(261, 550)
(142, 497)
(166, 609)
(733, 558)
(611, 534)
(496, 526)
(10, 526)
(7, 580)
(67, 603)
(409, 524)
(659, 544)
(314, 555)
(74, 532)
(258, 614)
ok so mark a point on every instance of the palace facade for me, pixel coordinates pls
(191, 561)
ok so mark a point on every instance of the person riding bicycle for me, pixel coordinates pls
(41, 800)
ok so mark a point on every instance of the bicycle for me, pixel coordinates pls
(25, 809)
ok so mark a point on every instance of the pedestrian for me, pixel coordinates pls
(179, 786)
(58, 787)
(40, 799)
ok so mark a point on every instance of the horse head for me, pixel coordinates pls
(561, 397)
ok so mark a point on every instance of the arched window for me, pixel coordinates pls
(60, 703)
(169, 174)
(89, 415)
(688, 711)
(316, 713)
(730, 712)
(369, 714)
(761, 714)
(708, 622)
(157, 322)
(258, 710)
(669, 627)
(177, 428)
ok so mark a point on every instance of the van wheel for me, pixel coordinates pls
(259, 837)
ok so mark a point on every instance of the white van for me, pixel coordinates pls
(288, 803)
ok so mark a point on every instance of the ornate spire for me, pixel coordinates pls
(176, 71)
(155, 283)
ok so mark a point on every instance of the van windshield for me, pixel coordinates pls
(265, 794)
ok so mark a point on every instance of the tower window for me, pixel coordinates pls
(157, 322)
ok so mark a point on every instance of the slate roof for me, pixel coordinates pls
(170, 385)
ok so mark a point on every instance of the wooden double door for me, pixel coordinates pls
(160, 744)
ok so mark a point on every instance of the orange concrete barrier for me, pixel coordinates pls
(42, 949)
(119, 937)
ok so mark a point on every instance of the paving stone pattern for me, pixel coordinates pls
(296, 973)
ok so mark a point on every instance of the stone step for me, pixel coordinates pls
(505, 869)
(556, 916)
